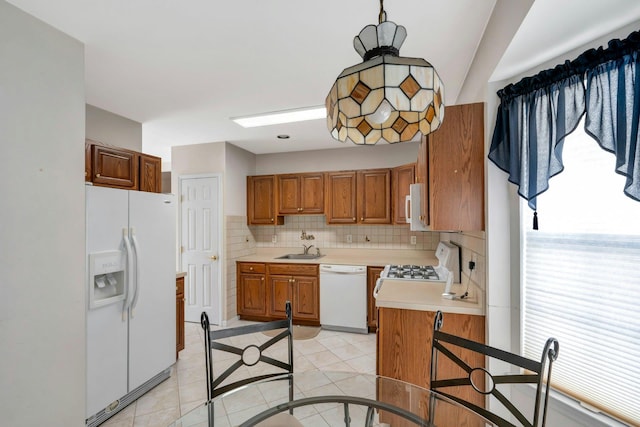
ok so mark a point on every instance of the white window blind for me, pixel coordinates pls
(581, 281)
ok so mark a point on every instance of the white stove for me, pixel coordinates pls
(447, 271)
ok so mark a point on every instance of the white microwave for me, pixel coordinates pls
(412, 206)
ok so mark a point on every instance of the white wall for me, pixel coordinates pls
(239, 164)
(113, 129)
(42, 307)
(381, 155)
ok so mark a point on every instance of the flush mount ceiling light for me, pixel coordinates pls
(279, 117)
(387, 96)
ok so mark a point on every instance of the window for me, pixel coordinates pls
(581, 280)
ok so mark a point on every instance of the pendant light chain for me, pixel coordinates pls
(383, 15)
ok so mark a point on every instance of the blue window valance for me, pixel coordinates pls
(538, 112)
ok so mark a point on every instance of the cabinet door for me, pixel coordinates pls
(341, 197)
(252, 296)
(312, 193)
(373, 274)
(87, 160)
(288, 194)
(306, 298)
(422, 177)
(261, 197)
(150, 173)
(179, 314)
(456, 170)
(402, 178)
(279, 294)
(114, 167)
(374, 196)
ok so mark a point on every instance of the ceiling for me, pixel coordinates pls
(182, 68)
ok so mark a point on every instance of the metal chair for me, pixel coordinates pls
(249, 356)
(474, 380)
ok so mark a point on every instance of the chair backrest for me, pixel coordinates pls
(473, 380)
(250, 355)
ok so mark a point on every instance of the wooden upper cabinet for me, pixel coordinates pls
(402, 177)
(114, 167)
(340, 199)
(261, 200)
(451, 166)
(110, 166)
(358, 197)
(150, 177)
(374, 196)
(301, 194)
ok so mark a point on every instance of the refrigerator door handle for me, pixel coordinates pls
(127, 245)
(136, 249)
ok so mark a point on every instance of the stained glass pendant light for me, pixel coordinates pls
(387, 96)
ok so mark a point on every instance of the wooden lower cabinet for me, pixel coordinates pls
(179, 314)
(263, 290)
(373, 274)
(252, 290)
(404, 350)
(298, 283)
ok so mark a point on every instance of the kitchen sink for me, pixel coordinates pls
(300, 256)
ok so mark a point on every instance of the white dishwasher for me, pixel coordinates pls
(343, 297)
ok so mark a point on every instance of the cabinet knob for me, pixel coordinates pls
(262, 279)
(250, 268)
(299, 209)
(354, 218)
(271, 219)
(361, 218)
(97, 175)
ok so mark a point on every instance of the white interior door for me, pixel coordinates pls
(200, 244)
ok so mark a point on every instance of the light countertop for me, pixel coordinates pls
(367, 257)
(400, 294)
(426, 296)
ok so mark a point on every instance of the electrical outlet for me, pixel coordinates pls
(274, 238)
(413, 240)
(349, 238)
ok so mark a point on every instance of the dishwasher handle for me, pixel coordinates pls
(342, 269)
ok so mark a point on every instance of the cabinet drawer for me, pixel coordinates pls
(294, 269)
(251, 267)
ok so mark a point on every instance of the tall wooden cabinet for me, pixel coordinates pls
(261, 200)
(358, 197)
(451, 165)
(179, 314)
(300, 193)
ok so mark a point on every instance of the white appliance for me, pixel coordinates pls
(412, 207)
(131, 312)
(343, 298)
(447, 271)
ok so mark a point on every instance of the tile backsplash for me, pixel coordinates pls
(341, 236)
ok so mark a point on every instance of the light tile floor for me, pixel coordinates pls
(186, 388)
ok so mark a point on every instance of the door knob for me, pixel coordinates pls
(214, 257)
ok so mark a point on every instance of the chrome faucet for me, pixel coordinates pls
(306, 249)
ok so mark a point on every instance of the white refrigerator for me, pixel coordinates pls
(131, 310)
